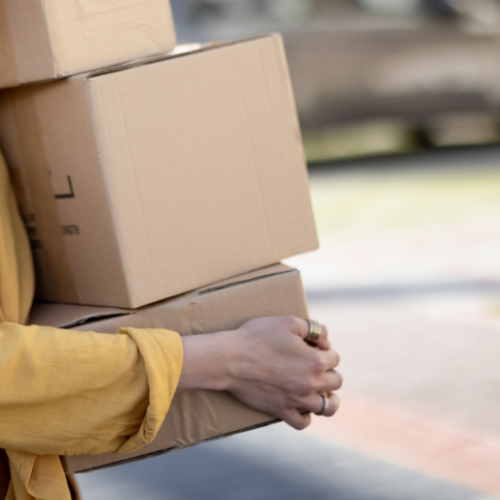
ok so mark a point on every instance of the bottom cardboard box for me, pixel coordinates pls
(198, 415)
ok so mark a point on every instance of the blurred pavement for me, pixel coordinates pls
(273, 463)
(408, 283)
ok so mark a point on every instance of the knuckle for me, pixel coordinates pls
(307, 387)
(318, 362)
(290, 322)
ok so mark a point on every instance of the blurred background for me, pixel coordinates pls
(399, 104)
(374, 76)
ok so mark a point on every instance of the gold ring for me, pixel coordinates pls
(314, 332)
(326, 404)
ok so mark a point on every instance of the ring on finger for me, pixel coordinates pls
(314, 332)
(326, 404)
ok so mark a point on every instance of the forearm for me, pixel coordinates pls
(206, 361)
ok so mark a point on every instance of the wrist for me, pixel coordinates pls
(206, 363)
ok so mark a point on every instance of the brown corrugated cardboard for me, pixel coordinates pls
(46, 39)
(199, 415)
(144, 183)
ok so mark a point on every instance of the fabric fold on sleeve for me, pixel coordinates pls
(37, 477)
(162, 351)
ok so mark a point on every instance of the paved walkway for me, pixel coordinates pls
(421, 390)
(275, 463)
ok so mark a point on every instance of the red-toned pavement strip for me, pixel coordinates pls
(432, 448)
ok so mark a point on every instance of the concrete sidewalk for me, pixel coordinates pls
(275, 463)
(420, 391)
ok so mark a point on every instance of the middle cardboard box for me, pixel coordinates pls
(194, 416)
(162, 176)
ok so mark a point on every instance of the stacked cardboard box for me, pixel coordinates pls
(145, 181)
(46, 39)
(198, 415)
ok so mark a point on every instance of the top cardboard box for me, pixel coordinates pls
(46, 39)
(140, 184)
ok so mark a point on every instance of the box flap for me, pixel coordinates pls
(182, 50)
(70, 316)
(265, 272)
(84, 317)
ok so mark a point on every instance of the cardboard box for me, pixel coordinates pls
(141, 184)
(46, 39)
(199, 415)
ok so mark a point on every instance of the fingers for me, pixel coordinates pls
(323, 343)
(332, 407)
(332, 359)
(325, 404)
(331, 381)
(296, 419)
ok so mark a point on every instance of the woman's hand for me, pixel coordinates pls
(267, 365)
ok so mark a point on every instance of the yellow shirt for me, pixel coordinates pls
(68, 393)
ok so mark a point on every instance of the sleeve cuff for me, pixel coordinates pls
(163, 354)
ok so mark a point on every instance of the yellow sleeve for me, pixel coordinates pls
(65, 392)
(17, 281)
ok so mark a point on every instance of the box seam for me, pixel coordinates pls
(94, 318)
(255, 171)
(139, 204)
(271, 113)
(94, 96)
(144, 61)
(280, 50)
(242, 282)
